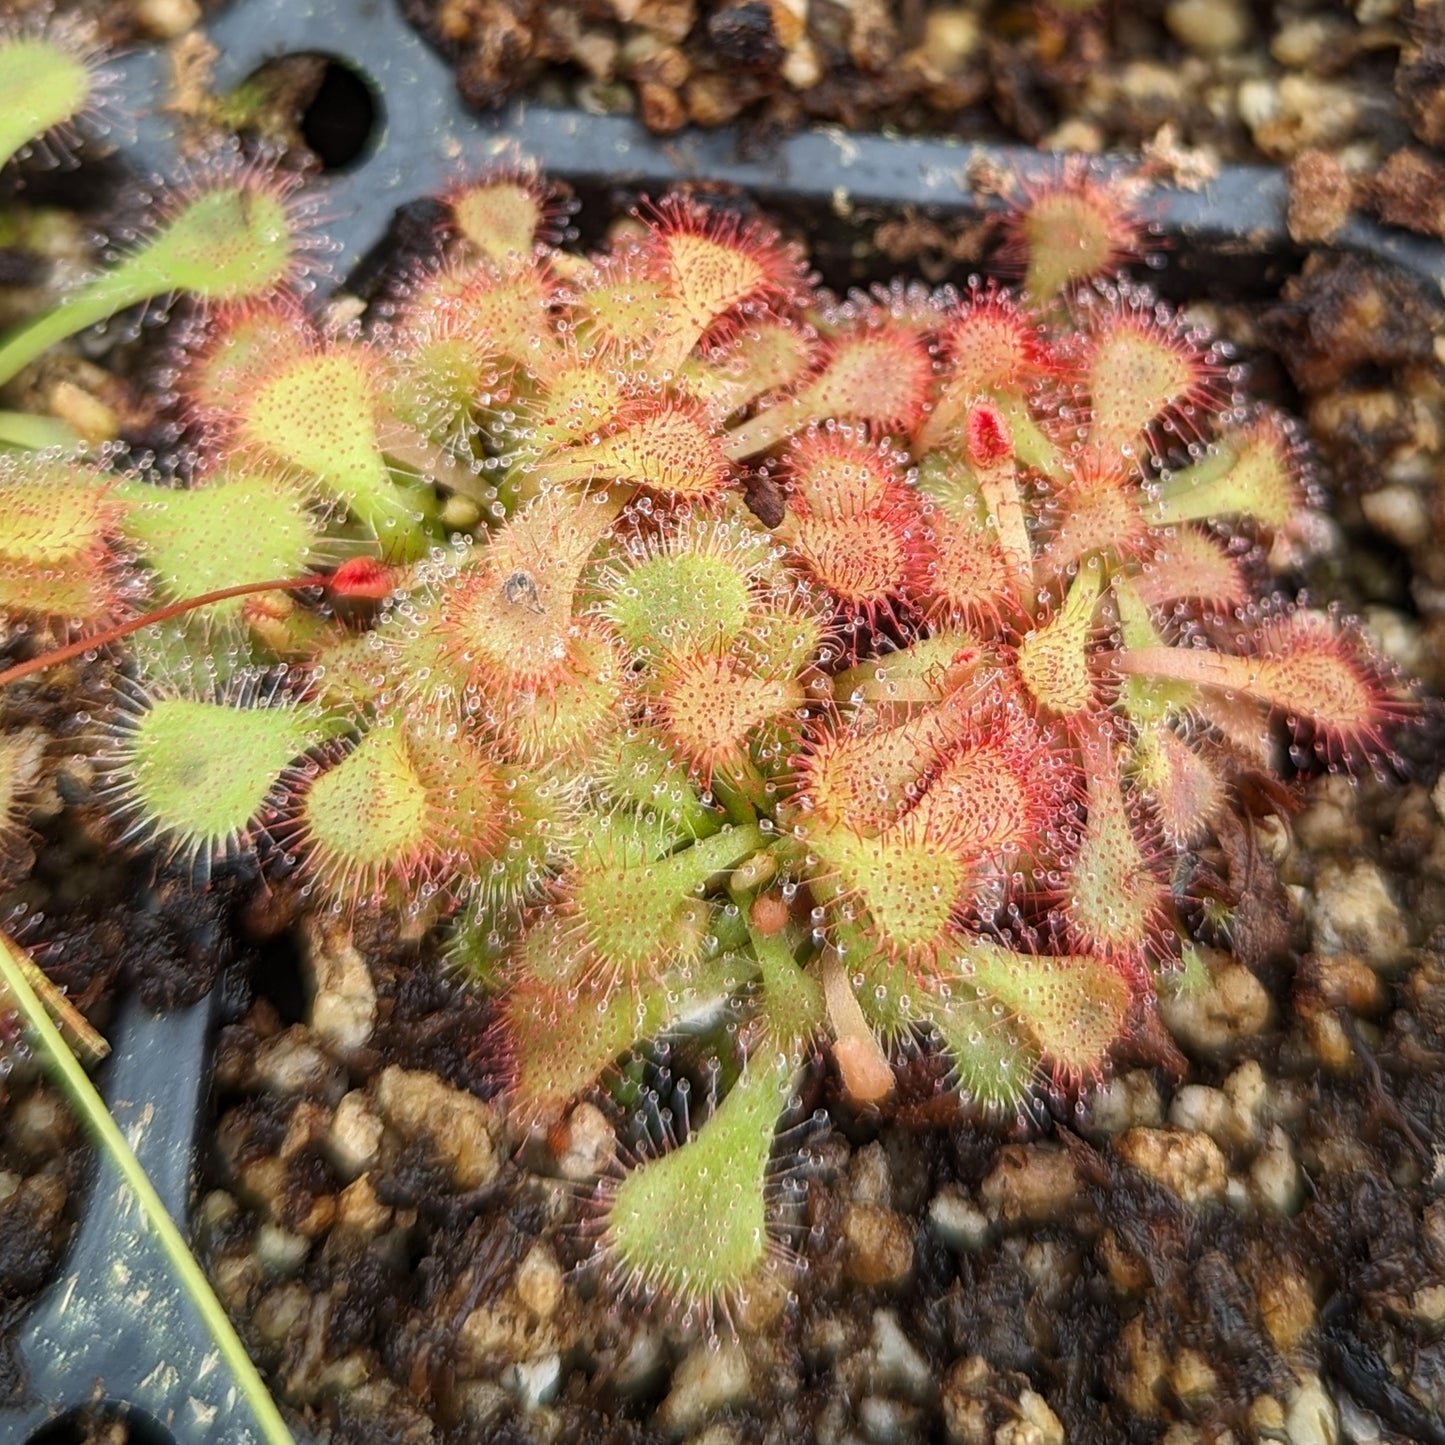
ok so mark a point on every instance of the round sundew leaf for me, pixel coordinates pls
(469, 811)
(880, 375)
(499, 217)
(79, 589)
(710, 706)
(564, 1032)
(231, 241)
(864, 780)
(689, 600)
(1186, 790)
(508, 621)
(984, 799)
(367, 819)
(575, 718)
(639, 770)
(910, 884)
(668, 447)
(708, 275)
(1053, 659)
(613, 311)
(563, 1037)
(579, 399)
(1074, 1008)
(44, 85)
(198, 772)
(53, 512)
(781, 642)
(243, 351)
(639, 913)
(995, 1061)
(913, 677)
(968, 575)
(1137, 371)
(693, 1223)
(1071, 231)
(247, 527)
(888, 994)
(318, 413)
(861, 565)
(511, 307)
(1115, 903)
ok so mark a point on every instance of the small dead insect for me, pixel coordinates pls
(520, 589)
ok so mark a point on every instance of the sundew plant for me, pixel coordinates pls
(688, 644)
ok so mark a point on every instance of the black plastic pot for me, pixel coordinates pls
(113, 1332)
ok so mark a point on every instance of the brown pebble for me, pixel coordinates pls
(1142, 1363)
(282, 1312)
(359, 1211)
(1341, 980)
(744, 34)
(460, 1125)
(1321, 194)
(872, 36)
(669, 19)
(501, 41)
(1409, 190)
(1420, 84)
(662, 109)
(712, 98)
(1192, 1378)
(538, 1282)
(1128, 1272)
(968, 1390)
(1191, 1166)
(32, 1227)
(878, 1245)
(1032, 1183)
(40, 1125)
(583, 1144)
(1287, 1307)
(1344, 311)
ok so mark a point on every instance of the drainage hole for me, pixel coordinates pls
(313, 101)
(102, 1425)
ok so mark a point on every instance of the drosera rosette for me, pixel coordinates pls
(791, 676)
(967, 839)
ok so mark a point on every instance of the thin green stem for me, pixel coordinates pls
(72, 1080)
(739, 786)
(97, 302)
